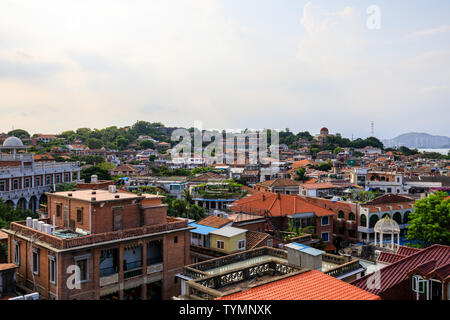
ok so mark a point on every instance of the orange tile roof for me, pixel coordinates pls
(277, 205)
(324, 185)
(302, 164)
(254, 238)
(310, 285)
(214, 221)
(3, 236)
(6, 266)
(313, 180)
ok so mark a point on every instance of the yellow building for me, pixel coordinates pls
(228, 239)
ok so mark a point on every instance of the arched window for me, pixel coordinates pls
(398, 217)
(406, 217)
(373, 220)
(363, 221)
(386, 215)
(341, 214)
(351, 216)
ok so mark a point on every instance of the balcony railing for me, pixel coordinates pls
(172, 224)
(343, 269)
(105, 272)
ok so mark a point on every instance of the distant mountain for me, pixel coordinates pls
(418, 140)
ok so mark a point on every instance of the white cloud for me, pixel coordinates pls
(428, 32)
(66, 64)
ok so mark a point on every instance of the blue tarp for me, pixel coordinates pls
(205, 230)
(306, 249)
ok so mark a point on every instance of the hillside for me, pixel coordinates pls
(418, 140)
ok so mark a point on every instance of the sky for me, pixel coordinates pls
(230, 64)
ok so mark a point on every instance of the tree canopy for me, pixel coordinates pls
(19, 133)
(430, 221)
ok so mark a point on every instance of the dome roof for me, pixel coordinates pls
(13, 142)
(387, 225)
(323, 130)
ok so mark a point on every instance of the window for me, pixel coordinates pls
(48, 180)
(52, 269)
(418, 284)
(324, 236)
(66, 177)
(35, 261)
(27, 183)
(16, 184)
(83, 263)
(175, 239)
(80, 215)
(241, 244)
(351, 216)
(220, 244)
(363, 221)
(58, 179)
(270, 243)
(325, 221)
(38, 181)
(2, 186)
(58, 210)
(17, 253)
(117, 218)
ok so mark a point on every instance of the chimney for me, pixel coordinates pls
(94, 178)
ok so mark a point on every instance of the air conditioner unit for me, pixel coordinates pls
(40, 224)
(32, 296)
(29, 222)
(47, 228)
(35, 223)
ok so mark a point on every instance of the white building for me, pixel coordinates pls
(23, 182)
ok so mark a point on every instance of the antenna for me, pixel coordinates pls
(372, 129)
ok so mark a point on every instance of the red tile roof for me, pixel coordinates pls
(389, 257)
(397, 272)
(310, 285)
(407, 251)
(277, 205)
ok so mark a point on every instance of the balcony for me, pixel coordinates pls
(61, 243)
(24, 193)
(132, 269)
(365, 229)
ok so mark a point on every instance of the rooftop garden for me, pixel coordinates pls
(225, 190)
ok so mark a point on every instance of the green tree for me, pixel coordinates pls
(19, 133)
(301, 175)
(430, 221)
(337, 150)
(10, 214)
(122, 142)
(94, 143)
(102, 174)
(66, 186)
(108, 166)
(146, 144)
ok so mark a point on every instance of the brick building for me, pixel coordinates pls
(123, 244)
